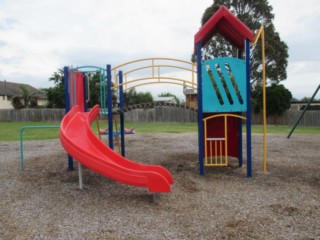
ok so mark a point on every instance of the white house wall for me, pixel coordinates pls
(5, 103)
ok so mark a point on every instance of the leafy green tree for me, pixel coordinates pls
(17, 102)
(167, 94)
(55, 94)
(305, 99)
(278, 99)
(94, 88)
(27, 97)
(133, 97)
(253, 14)
(33, 102)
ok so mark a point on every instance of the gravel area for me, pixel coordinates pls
(44, 201)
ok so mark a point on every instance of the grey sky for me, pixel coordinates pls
(38, 37)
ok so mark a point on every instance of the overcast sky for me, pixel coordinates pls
(37, 36)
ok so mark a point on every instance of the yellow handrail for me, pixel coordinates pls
(176, 81)
(154, 66)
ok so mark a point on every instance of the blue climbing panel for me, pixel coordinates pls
(224, 85)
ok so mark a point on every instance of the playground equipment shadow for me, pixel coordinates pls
(44, 202)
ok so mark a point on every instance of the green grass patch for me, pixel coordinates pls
(10, 131)
(163, 127)
(155, 127)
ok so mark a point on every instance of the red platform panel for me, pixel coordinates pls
(216, 129)
(76, 90)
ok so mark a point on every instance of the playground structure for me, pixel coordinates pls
(223, 89)
(105, 160)
(224, 93)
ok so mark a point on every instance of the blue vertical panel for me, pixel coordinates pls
(123, 152)
(85, 92)
(66, 88)
(200, 114)
(109, 102)
(67, 103)
(249, 167)
(224, 85)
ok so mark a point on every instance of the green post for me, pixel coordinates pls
(21, 140)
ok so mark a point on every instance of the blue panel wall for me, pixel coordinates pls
(224, 85)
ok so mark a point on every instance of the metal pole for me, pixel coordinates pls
(200, 114)
(240, 122)
(249, 167)
(121, 101)
(109, 101)
(258, 35)
(264, 103)
(21, 141)
(304, 110)
(80, 176)
(85, 92)
(67, 103)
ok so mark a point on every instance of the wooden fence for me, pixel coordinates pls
(162, 114)
(289, 118)
(159, 114)
(32, 115)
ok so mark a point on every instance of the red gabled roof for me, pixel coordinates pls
(227, 25)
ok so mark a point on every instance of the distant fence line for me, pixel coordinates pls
(32, 115)
(158, 114)
(162, 114)
(289, 118)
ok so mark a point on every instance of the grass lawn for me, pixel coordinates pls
(10, 131)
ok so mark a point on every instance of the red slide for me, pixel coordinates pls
(83, 145)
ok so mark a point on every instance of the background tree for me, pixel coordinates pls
(55, 94)
(253, 14)
(278, 99)
(167, 94)
(94, 88)
(305, 99)
(133, 97)
(25, 100)
(17, 102)
(27, 97)
(33, 102)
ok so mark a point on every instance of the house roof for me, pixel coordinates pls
(227, 25)
(11, 89)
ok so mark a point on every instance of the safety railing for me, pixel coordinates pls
(158, 70)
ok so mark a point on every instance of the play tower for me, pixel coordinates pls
(224, 93)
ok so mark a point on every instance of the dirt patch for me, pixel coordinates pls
(44, 201)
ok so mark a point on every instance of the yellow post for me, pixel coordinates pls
(117, 140)
(98, 126)
(261, 34)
